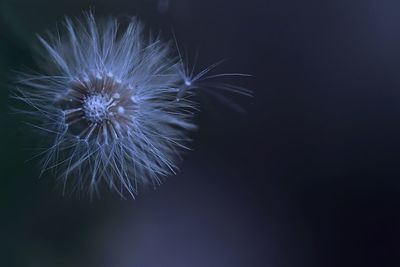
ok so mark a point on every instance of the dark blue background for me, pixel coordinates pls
(308, 177)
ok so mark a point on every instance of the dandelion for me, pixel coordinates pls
(114, 103)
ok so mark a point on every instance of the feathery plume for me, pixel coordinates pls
(115, 105)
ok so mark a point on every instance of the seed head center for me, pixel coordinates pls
(96, 108)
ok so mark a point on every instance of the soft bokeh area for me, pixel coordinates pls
(309, 176)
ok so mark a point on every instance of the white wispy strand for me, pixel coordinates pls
(113, 104)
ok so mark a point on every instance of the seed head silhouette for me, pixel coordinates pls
(115, 105)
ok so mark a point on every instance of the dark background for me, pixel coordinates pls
(308, 177)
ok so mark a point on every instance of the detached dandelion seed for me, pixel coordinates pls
(106, 99)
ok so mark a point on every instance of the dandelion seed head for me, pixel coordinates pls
(104, 95)
(115, 105)
(96, 108)
(98, 105)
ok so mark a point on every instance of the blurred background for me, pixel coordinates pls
(308, 177)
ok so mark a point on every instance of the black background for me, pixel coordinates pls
(309, 176)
